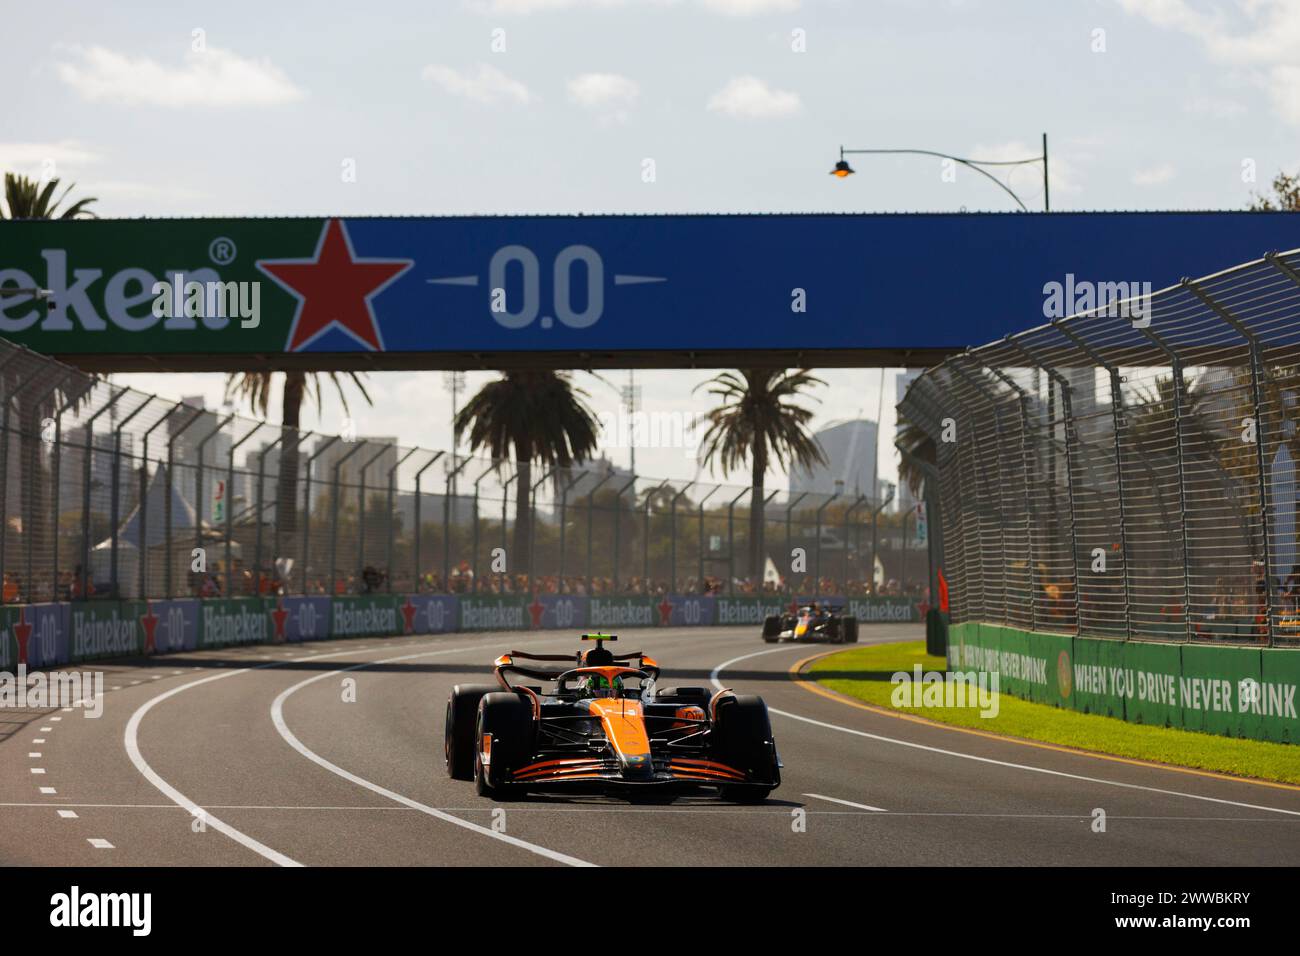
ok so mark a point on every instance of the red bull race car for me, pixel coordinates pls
(811, 623)
(601, 724)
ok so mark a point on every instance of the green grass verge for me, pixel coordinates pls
(864, 673)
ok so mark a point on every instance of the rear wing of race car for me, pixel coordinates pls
(509, 662)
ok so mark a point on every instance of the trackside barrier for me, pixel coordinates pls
(47, 635)
(1233, 691)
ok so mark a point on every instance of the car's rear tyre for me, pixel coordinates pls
(771, 629)
(509, 720)
(850, 625)
(458, 729)
(741, 738)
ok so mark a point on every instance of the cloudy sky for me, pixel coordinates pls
(535, 106)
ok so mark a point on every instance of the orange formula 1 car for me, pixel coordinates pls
(603, 726)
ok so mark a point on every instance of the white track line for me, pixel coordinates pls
(131, 739)
(277, 717)
(847, 803)
(989, 760)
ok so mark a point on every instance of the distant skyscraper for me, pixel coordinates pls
(850, 450)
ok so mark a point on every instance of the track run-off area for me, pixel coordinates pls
(330, 753)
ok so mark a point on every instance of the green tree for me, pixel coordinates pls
(536, 415)
(1285, 198)
(758, 420)
(26, 198)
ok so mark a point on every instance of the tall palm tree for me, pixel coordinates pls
(757, 419)
(25, 198)
(537, 415)
(255, 388)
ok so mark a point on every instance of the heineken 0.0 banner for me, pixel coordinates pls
(204, 288)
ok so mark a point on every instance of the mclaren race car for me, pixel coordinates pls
(601, 724)
(812, 622)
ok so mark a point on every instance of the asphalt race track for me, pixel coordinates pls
(251, 756)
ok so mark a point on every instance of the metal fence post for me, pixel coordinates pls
(116, 482)
(167, 501)
(415, 544)
(198, 485)
(260, 506)
(844, 553)
(1117, 425)
(392, 537)
(306, 508)
(591, 521)
(645, 538)
(144, 498)
(618, 529)
(30, 522)
(446, 524)
(875, 514)
(230, 513)
(337, 503)
(731, 538)
(505, 543)
(532, 537)
(1258, 374)
(86, 577)
(564, 522)
(789, 545)
(361, 501)
(56, 483)
(672, 537)
(702, 501)
(817, 565)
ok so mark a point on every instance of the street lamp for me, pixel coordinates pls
(843, 170)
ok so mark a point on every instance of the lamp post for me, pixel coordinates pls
(843, 170)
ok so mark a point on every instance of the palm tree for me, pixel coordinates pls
(25, 198)
(539, 416)
(758, 420)
(255, 388)
(919, 445)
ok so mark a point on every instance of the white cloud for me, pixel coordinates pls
(750, 97)
(737, 8)
(1155, 175)
(487, 84)
(46, 160)
(214, 77)
(1258, 36)
(749, 8)
(596, 90)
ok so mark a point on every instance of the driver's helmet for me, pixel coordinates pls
(598, 685)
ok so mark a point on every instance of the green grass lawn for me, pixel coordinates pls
(864, 673)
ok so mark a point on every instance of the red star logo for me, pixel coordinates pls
(536, 610)
(149, 621)
(23, 632)
(279, 616)
(665, 611)
(408, 614)
(334, 289)
(923, 608)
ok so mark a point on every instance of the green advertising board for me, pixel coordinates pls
(366, 615)
(100, 629)
(229, 621)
